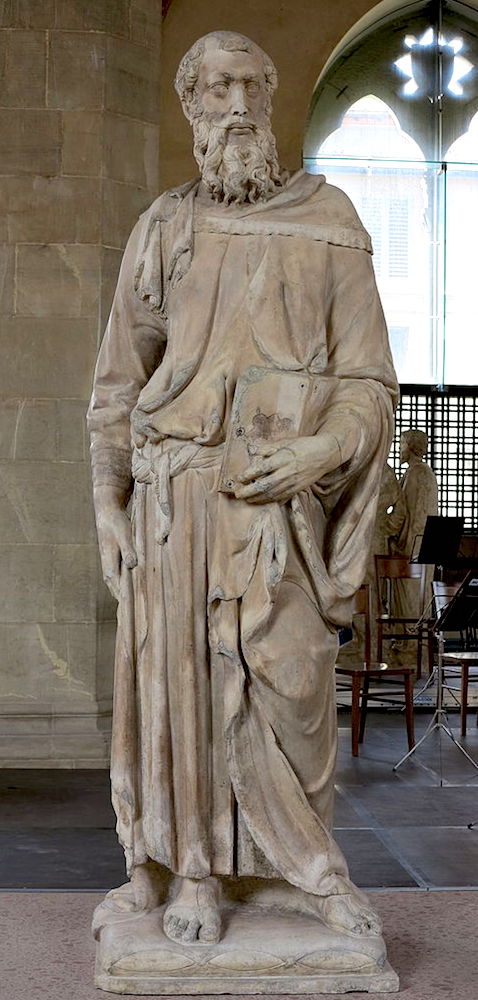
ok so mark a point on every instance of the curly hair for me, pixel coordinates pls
(229, 41)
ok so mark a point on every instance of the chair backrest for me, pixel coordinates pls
(400, 568)
(443, 593)
(362, 605)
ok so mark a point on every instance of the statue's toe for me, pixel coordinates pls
(343, 912)
(210, 929)
(122, 898)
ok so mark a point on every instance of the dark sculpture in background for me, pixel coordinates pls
(243, 398)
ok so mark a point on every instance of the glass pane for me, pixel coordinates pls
(401, 205)
(459, 30)
(461, 356)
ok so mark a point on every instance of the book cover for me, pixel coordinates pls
(270, 405)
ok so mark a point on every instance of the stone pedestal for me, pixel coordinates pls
(261, 951)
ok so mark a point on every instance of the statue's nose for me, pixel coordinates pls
(238, 101)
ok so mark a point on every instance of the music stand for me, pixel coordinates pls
(439, 547)
(460, 614)
(440, 541)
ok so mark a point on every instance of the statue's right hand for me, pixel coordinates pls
(114, 537)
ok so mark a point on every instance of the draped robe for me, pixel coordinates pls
(224, 727)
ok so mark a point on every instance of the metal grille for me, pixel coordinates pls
(449, 415)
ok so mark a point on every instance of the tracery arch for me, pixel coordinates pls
(394, 121)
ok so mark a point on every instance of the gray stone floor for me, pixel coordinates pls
(404, 829)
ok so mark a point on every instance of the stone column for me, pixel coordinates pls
(79, 112)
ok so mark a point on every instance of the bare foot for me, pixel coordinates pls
(345, 908)
(139, 895)
(194, 914)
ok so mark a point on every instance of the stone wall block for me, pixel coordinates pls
(49, 210)
(26, 583)
(22, 69)
(76, 70)
(131, 151)
(146, 22)
(102, 15)
(11, 527)
(90, 650)
(88, 750)
(19, 723)
(105, 658)
(27, 13)
(7, 276)
(35, 431)
(82, 653)
(38, 666)
(72, 443)
(76, 573)
(28, 657)
(9, 409)
(132, 80)
(30, 142)
(122, 205)
(52, 500)
(110, 265)
(47, 358)
(57, 280)
(82, 149)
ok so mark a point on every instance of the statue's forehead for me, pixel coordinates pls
(238, 64)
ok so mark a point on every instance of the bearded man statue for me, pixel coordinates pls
(243, 403)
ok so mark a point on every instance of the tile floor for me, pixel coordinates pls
(403, 829)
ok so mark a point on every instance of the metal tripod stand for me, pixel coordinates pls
(439, 722)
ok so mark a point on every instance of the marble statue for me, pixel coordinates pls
(389, 521)
(391, 514)
(242, 405)
(420, 492)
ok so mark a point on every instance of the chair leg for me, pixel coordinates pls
(379, 642)
(464, 697)
(408, 681)
(419, 655)
(364, 707)
(356, 687)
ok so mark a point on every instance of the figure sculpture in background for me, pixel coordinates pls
(391, 514)
(243, 399)
(420, 491)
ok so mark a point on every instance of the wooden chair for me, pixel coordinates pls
(365, 672)
(460, 664)
(387, 569)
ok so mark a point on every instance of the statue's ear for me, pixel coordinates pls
(188, 103)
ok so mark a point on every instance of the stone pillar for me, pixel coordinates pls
(79, 112)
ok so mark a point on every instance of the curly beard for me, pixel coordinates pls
(234, 172)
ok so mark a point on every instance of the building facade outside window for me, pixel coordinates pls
(394, 122)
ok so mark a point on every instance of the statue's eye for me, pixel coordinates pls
(219, 89)
(252, 88)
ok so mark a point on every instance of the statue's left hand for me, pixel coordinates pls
(282, 468)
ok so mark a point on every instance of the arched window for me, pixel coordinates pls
(394, 122)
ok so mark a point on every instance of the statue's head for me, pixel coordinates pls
(225, 83)
(413, 444)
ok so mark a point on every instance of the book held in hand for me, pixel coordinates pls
(270, 405)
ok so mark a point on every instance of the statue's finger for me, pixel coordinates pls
(253, 471)
(128, 554)
(259, 487)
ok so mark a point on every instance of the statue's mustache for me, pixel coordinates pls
(230, 122)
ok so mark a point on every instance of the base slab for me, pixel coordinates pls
(261, 951)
